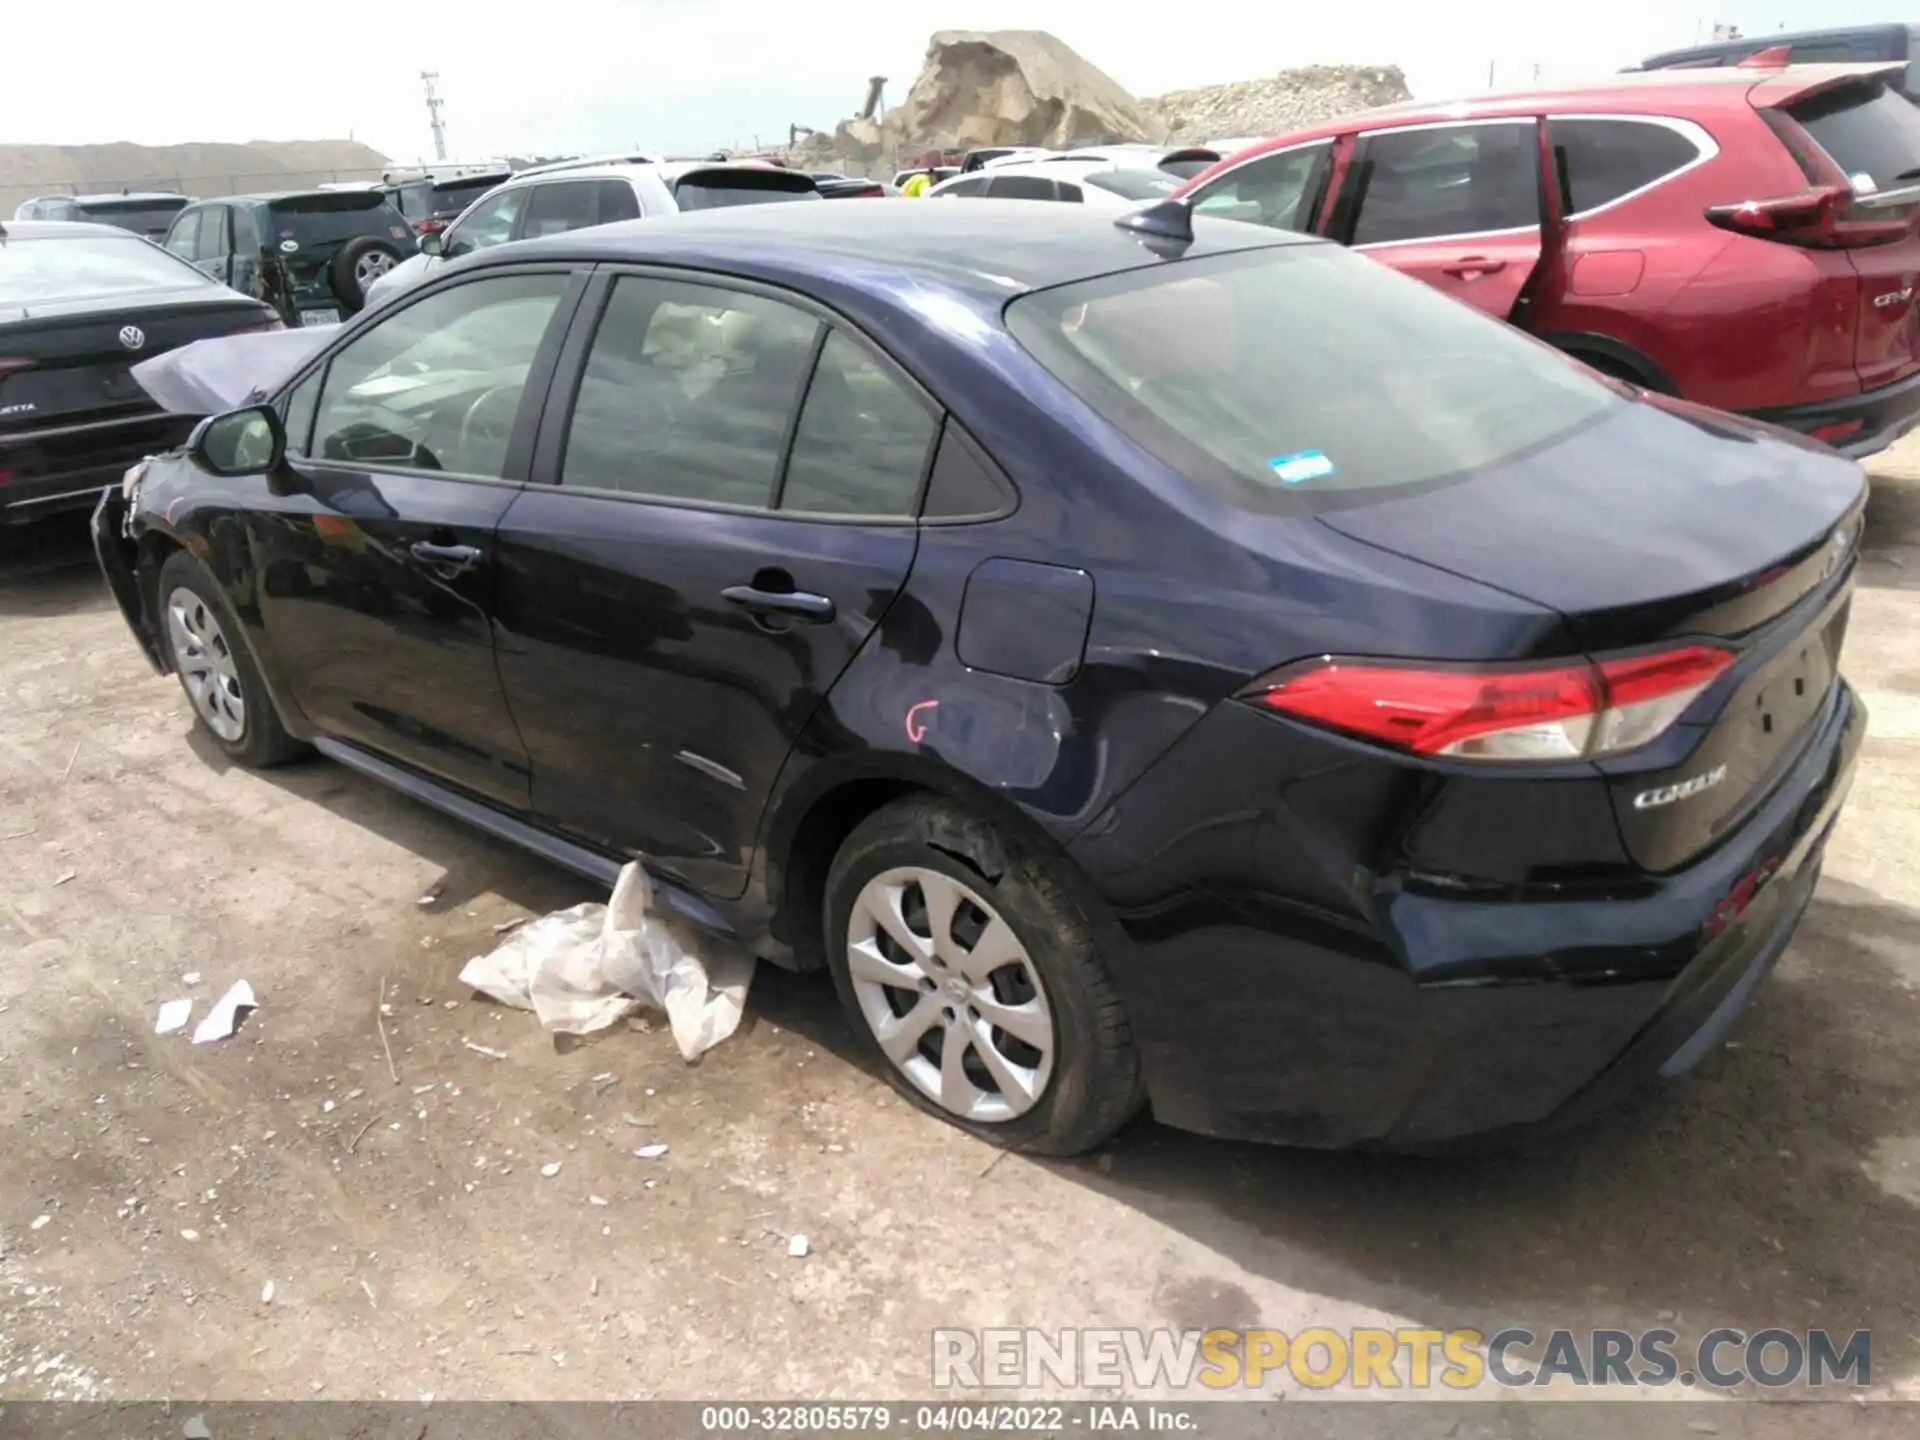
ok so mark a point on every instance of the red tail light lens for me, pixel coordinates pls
(1573, 711)
(429, 227)
(1811, 218)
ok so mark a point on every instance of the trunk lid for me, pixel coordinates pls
(1660, 524)
(73, 364)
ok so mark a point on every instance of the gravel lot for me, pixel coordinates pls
(414, 1246)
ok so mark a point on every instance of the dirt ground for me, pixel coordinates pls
(151, 1191)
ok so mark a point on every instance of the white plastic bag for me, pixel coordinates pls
(583, 968)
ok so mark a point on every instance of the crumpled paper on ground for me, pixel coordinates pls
(583, 968)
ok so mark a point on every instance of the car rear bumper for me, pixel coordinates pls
(65, 468)
(1447, 1018)
(1855, 425)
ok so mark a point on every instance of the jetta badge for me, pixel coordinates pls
(132, 336)
(1686, 789)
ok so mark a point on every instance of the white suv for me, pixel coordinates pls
(597, 190)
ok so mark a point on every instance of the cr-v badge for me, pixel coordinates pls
(1686, 789)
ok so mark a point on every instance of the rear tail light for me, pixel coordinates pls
(1579, 710)
(273, 324)
(1836, 432)
(1811, 218)
(9, 364)
(429, 227)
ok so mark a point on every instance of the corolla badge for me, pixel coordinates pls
(1685, 790)
(132, 336)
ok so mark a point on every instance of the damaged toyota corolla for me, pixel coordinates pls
(1162, 662)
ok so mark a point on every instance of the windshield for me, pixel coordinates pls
(337, 215)
(88, 267)
(1135, 184)
(143, 217)
(1303, 368)
(716, 189)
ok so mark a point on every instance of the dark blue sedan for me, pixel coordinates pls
(1175, 663)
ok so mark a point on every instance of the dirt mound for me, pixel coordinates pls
(1290, 100)
(997, 87)
(30, 170)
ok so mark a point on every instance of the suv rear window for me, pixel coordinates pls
(1870, 130)
(1219, 368)
(88, 267)
(333, 216)
(450, 197)
(715, 189)
(143, 217)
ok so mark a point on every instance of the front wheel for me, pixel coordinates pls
(964, 963)
(215, 668)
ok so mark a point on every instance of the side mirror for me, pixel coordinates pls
(241, 442)
(430, 244)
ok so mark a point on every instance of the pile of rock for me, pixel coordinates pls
(1290, 100)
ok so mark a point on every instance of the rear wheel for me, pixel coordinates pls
(973, 976)
(361, 261)
(210, 656)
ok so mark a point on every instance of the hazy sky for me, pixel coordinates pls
(562, 75)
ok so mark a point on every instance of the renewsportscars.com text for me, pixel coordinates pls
(1396, 1359)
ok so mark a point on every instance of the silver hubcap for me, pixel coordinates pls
(372, 266)
(950, 993)
(205, 663)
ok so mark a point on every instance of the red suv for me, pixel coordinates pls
(1742, 237)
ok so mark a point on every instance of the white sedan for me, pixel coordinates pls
(1099, 183)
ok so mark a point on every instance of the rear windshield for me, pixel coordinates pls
(1303, 369)
(1188, 166)
(145, 217)
(717, 189)
(1871, 131)
(458, 194)
(1135, 184)
(337, 215)
(87, 267)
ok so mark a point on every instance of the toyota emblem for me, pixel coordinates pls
(132, 336)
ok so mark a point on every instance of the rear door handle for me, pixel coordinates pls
(799, 604)
(1473, 267)
(446, 559)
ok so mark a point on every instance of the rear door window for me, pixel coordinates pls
(688, 393)
(555, 209)
(212, 241)
(1443, 181)
(863, 440)
(1598, 161)
(972, 188)
(1201, 363)
(1020, 187)
(1872, 132)
(184, 238)
(1281, 190)
(617, 202)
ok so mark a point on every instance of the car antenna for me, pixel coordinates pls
(1167, 220)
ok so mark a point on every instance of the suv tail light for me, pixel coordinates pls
(1811, 218)
(1578, 710)
(429, 226)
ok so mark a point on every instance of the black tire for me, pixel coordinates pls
(263, 741)
(1094, 1087)
(346, 284)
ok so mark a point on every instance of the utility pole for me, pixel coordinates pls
(434, 106)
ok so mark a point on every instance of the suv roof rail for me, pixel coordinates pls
(581, 162)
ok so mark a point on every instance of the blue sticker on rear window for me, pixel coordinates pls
(1301, 466)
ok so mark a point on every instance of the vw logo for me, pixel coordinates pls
(132, 336)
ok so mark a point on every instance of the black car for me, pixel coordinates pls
(80, 305)
(147, 212)
(835, 186)
(311, 254)
(431, 205)
(1160, 659)
(1845, 45)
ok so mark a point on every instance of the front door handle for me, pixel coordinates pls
(1473, 267)
(799, 604)
(445, 559)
